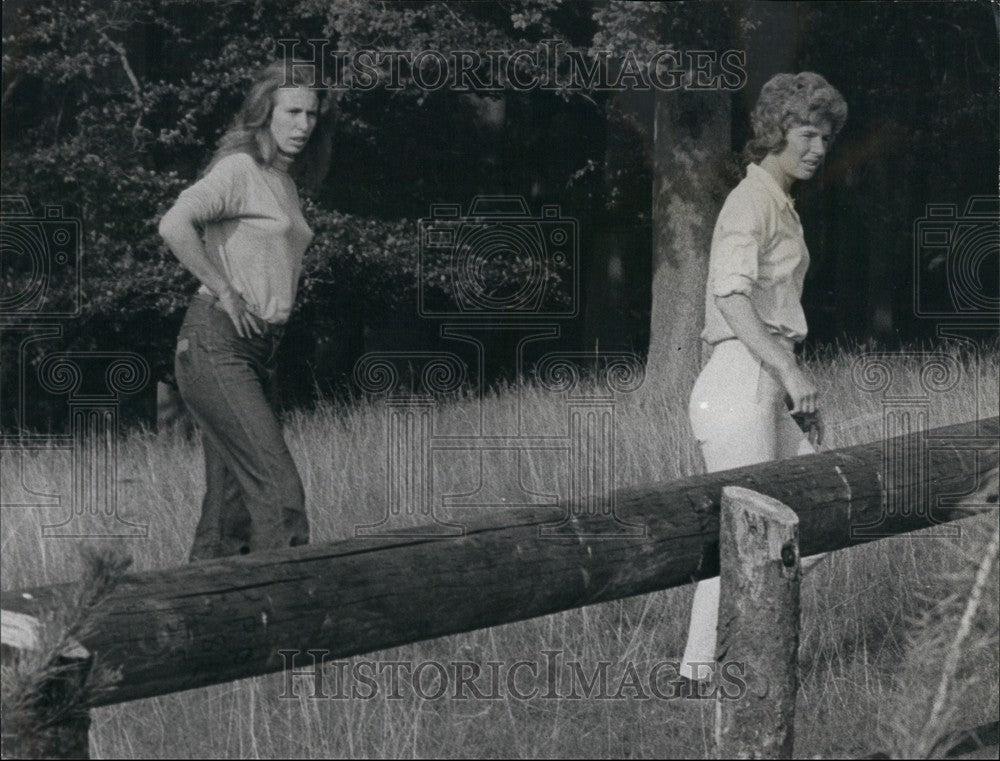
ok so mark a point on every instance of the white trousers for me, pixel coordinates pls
(739, 417)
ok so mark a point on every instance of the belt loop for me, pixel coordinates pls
(274, 329)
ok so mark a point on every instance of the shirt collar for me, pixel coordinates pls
(281, 162)
(762, 176)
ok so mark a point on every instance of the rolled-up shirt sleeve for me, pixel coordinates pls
(736, 246)
(758, 250)
(220, 194)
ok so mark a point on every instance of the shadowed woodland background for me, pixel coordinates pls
(110, 109)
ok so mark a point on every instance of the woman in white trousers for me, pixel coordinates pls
(747, 399)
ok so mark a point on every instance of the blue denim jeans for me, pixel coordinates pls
(254, 499)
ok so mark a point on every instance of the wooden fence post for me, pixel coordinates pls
(166, 630)
(758, 625)
(44, 714)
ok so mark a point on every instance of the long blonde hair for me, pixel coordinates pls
(250, 130)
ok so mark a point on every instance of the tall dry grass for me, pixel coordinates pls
(860, 610)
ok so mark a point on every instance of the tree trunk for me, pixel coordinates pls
(618, 251)
(691, 142)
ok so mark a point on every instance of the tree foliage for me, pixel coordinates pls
(111, 107)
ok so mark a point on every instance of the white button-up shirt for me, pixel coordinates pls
(758, 249)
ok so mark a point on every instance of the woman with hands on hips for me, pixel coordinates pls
(743, 402)
(239, 229)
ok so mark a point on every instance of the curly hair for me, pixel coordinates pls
(250, 130)
(791, 100)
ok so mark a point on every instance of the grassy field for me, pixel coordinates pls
(878, 620)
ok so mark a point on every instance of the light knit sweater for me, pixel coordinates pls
(254, 231)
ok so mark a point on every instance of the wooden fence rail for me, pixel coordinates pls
(181, 628)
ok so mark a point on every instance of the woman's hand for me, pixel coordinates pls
(803, 402)
(812, 426)
(801, 391)
(243, 320)
(802, 397)
(181, 236)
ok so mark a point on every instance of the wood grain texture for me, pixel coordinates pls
(181, 628)
(758, 624)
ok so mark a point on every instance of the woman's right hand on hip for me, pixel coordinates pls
(243, 320)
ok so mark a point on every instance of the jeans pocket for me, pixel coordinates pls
(189, 363)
